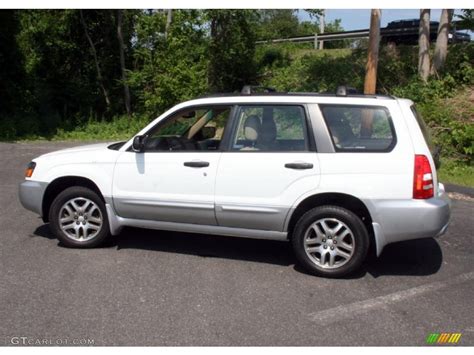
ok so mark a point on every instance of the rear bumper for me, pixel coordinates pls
(31, 195)
(398, 220)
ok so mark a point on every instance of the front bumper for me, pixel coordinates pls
(31, 195)
(398, 220)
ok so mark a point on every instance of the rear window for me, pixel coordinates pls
(356, 128)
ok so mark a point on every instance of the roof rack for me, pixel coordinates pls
(249, 89)
(341, 91)
(344, 90)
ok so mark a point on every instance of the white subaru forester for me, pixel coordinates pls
(332, 174)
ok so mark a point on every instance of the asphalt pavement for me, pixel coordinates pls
(163, 288)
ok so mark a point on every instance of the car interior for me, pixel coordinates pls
(193, 130)
(259, 132)
(345, 127)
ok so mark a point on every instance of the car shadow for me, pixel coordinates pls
(43, 231)
(207, 246)
(419, 257)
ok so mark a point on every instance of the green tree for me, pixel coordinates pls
(123, 69)
(168, 69)
(231, 49)
(466, 20)
(12, 75)
(100, 77)
(60, 64)
(277, 23)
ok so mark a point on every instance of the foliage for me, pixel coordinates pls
(466, 20)
(121, 128)
(231, 49)
(169, 70)
(12, 73)
(452, 124)
(277, 23)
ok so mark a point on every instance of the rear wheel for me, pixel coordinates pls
(330, 241)
(78, 218)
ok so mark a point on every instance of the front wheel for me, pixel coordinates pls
(78, 218)
(330, 241)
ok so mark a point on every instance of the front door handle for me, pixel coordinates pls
(196, 164)
(299, 166)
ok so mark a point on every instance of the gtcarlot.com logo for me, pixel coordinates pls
(443, 338)
(33, 341)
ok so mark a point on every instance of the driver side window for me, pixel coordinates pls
(193, 129)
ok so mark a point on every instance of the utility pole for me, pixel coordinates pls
(321, 28)
(370, 84)
(373, 52)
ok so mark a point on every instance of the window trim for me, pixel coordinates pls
(390, 121)
(162, 122)
(310, 145)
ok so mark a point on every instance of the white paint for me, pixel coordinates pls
(339, 313)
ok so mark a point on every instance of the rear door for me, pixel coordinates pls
(270, 162)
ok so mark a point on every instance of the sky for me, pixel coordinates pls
(355, 19)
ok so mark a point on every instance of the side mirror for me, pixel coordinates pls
(208, 132)
(138, 144)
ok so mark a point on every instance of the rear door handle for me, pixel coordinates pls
(196, 164)
(299, 166)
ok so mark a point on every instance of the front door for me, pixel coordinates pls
(173, 180)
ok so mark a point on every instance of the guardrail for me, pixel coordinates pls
(334, 36)
(321, 37)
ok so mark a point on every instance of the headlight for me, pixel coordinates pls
(450, 35)
(29, 169)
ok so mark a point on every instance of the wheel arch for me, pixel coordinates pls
(343, 200)
(58, 185)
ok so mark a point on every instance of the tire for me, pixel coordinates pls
(83, 223)
(330, 234)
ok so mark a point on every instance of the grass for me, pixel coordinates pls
(120, 128)
(458, 173)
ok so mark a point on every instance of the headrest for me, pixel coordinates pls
(252, 128)
(269, 130)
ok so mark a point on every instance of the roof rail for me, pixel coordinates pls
(249, 89)
(341, 91)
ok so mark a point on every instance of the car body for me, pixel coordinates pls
(261, 166)
(407, 32)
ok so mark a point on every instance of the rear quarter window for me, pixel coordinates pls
(423, 127)
(355, 128)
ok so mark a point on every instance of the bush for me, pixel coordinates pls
(273, 57)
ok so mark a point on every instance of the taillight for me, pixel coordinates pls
(423, 178)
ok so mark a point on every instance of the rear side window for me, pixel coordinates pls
(359, 128)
